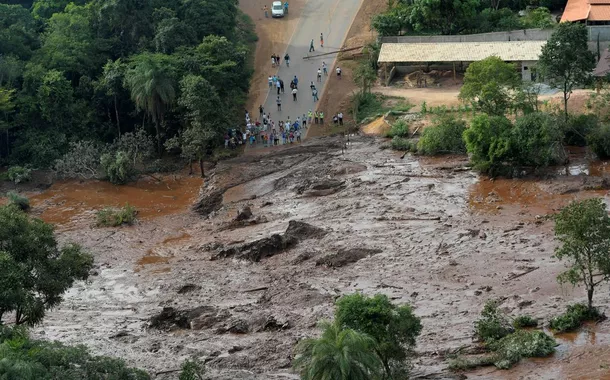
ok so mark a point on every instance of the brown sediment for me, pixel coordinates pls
(176, 239)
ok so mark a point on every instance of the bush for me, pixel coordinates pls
(367, 105)
(521, 344)
(444, 137)
(109, 217)
(493, 324)
(462, 363)
(599, 141)
(400, 143)
(524, 321)
(192, 370)
(578, 127)
(536, 140)
(399, 129)
(81, 161)
(574, 317)
(19, 174)
(489, 143)
(118, 167)
(21, 202)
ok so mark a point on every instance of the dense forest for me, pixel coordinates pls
(465, 16)
(76, 76)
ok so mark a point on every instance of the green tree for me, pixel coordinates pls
(489, 143)
(111, 82)
(34, 271)
(339, 354)
(443, 137)
(538, 18)
(210, 17)
(583, 230)
(6, 107)
(150, 80)
(17, 31)
(446, 16)
(536, 140)
(393, 328)
(565, 60)
(489, 84)
(365, 76)
(392, 22)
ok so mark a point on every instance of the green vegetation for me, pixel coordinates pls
(110, 217)
(565, 60)
(523, 321)
(401, 143)
(19, 201)
(488, 141)
(461, 363)
(599, 141)
(399, 129)
(574, 317)
(579, 127)
(393, 328)
(192, 370)
(27, 359)
(443, 137)
(34, 271)
(366, 105)
(583, 231)
(493, 324)
(521, 344)
(89, 73)
(17, 174)
(340, 353)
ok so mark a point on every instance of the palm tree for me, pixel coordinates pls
(151, 84)
(339, 354)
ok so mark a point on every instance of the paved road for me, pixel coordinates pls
(333, 18)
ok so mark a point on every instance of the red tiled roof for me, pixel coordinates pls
(576, 10)
(599, 13)
(598, 2)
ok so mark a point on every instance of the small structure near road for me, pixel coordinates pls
(405, 58)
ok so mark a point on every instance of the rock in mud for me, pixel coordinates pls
(188, 288)
(272, 245)
(208, 203)
(196, 319)
(244, 213)
(346, 256)
(324, 187)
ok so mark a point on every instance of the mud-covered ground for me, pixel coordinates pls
(423, 231)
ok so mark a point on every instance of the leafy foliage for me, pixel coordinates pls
(19, 201)
(583, 231)
(599, 141)
(34, 271)
(489, 143)
(493, 324)
(489, 83)
(393, 328)
(574, 317)
(524, 321)
(340, 353)
(19, 174)
(81, 161)
(118, 167)
(536, 140)
(109, 217)
(192, 370)
(404, 144)
(399, 129)
(521, 344)
(578, 127)
(443, 137)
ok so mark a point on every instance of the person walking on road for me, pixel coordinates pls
(261, 110)
(281, 85)
(287, 60)
(270, 80)
(319, 76)
(278, 84)
(314, 93)
(277, 60)
(325, 68)
(321, 40)
(311, 47)
(278, 101)
(312, 86)
(294, 94)
(296, 82)
(266, 11)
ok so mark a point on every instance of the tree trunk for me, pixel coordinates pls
(190, 167)
(116, 112)
(565, 104)
(201, 168)
(590, 296)
(158, 129)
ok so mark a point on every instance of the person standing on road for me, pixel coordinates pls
(314, 93)
(315, 117)
(261, 110)
(266, 11)
(296, 82)
(287, 60)
(321, 116)
(325, 68)
(286, 7)
(281, 85)
(309, 116)
(270, 80)
(277, 60)
(321, 40)
(272, 61)
(312, 86)
(294, 94)
(319, 76)
(311, 48)
(338, 72)
(340, 116)
(278, 84)
(278, 101)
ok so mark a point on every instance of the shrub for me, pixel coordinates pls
(399, 129)
(599, 141)
(493, 324)
(367, 105)
(462, 363)
(521, 344)
(524, 321)
(536, 140)
(118, 167)
(109, 217)
(192, 370)
(19, 174)
(488, 141)
(445, 136)
(81, 161)
(574, 317)
(21, 202)
(400, 143)
(578, 127)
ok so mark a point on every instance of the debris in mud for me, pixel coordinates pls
(195, 319)
(188, 288)
(244, 218)
(346, 256)
(209, 203)
(272, 245)
(324, 187)
(244, 213)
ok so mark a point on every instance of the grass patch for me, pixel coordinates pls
(21, 202)
(399, 129)
(574, 317)
(369, 105)
(523, 321)
(109, 217)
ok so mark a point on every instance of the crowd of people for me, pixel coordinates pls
(266, 131)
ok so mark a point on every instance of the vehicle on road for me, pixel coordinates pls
(277, 9)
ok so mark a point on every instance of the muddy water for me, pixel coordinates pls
(66, 202)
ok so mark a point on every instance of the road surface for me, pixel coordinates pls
(333, 18)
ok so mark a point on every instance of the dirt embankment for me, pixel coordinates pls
(292, 231)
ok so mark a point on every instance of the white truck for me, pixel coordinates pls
(277, 9)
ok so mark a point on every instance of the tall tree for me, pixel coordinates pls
(489, 85)
(393, 328)
(150, 81)
(34, 271)
(339, 354)
(565, 60)
(6, 107)
(446, 16)
(111, 82)
(583, 229)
